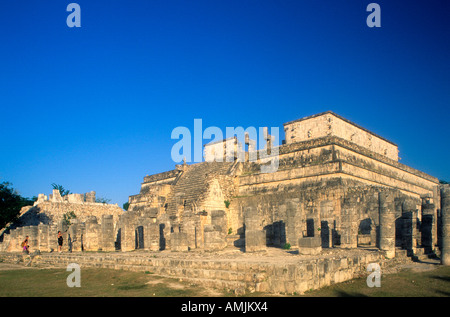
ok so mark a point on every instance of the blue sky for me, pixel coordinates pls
(93, 108)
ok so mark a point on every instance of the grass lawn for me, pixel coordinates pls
(94, 282)
(117, 283)
(407, 283)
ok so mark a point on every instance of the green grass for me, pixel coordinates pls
(434, 283)
(118, 283)
(94, 282)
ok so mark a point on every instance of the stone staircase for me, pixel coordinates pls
(237, 277)
(419, 255)
(193, 183)
(273, 271)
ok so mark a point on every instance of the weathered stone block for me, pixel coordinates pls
(255, 240)
(179, 242)
(310, 245)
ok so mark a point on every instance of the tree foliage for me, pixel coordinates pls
(102, 200)
(11, 203)
(61, 189)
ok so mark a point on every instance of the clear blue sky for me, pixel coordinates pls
(93, 108)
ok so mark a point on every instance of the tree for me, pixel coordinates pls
(67, 216)
(126, 205)
(10, 204)
(443, 182)
(61, 189)
(102, 200)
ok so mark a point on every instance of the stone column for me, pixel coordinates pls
(190, 227)
(387, 223)
(127, 233)
(43, 238)
(215, 233)
(349, 226)
(6, 240)
(429, 219)
(153, 237)
(53, 238)
(91, 237)
(107, 238)
(293, 222)
(445, 212)
(34, 238)
(15, 241)
(219, 221)
(255, 236)
(74, 236)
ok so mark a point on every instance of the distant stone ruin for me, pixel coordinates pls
(93, 227)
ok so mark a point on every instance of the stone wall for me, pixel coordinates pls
(49, 212)
(78, 236)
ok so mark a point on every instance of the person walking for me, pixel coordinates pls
(60, 241)
(25, 246)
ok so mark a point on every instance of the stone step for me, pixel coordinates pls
(214, 274)
(196, 268)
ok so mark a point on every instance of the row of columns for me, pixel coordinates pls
(87, 236)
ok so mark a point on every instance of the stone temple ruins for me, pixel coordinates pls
(338, 187)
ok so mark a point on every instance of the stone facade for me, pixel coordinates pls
(337, 185)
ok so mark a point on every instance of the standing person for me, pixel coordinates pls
(25, 246)
(60, 241)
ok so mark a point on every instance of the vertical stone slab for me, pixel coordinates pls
(445, 218)
(349, 225)
(219, 221)
(128, 238)
(387, 223)
(56, 196)
(164, 231)
(74, 236)
(14, 244)
(179, 242)
(409, 226)
(90, 197)
(107, 238)
(21, 234)
(255, 236)
(153, 237)
(429, 227)
(293, 222)
(43, 238)
(92, 234)
(53, 238)
(5, 243)
(189, 226)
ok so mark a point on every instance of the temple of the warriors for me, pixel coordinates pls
(337, 186)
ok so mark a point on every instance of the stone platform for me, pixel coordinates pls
(274, 271)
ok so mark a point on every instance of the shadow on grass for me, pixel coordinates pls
(340, 293)
(442, 278)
